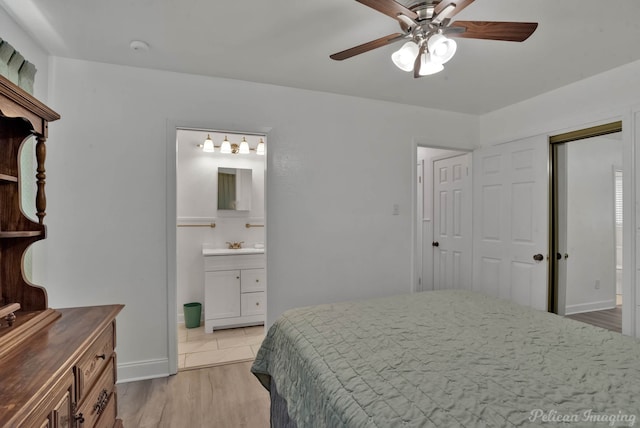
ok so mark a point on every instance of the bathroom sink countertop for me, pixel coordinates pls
(229, 252)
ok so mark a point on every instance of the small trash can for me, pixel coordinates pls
(192, 312)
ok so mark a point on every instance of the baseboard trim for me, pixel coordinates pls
(590, 307)
(142, 370)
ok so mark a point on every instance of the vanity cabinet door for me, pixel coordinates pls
(222, 294)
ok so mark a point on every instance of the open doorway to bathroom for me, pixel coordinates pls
(220, 215)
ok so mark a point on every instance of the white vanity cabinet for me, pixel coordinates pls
(234, 288)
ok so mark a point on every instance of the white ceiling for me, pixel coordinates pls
(288, 42)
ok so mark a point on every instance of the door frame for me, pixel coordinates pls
(417, 256)
(172, 127)
(609, 127)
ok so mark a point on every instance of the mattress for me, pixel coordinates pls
(447, 359)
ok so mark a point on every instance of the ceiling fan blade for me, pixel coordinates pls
(490, 30)
(390, 8)
(366, 47)
(448, 8)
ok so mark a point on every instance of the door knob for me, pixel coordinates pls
(538, 257)
(435, 243)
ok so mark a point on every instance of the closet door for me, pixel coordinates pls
(511, 221)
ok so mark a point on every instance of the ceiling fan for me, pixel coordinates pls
(427, 26)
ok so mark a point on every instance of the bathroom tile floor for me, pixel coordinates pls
(197, 349)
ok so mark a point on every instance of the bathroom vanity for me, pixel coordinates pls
(234, 287)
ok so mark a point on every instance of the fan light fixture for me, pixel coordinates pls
(231, 148)
(438, 50)
(423, 27)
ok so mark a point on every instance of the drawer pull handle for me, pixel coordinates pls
(101, 356)
(103, 399)
(257, 303)
(79, 418)
(257, 280)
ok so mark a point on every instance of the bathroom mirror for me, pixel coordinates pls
(234, 189)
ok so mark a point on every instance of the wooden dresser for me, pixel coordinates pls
(57, 366)
(64, 375)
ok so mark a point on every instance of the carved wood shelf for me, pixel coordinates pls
(20, 234)
(8, 178)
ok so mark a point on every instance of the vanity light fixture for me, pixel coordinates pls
(231, 148)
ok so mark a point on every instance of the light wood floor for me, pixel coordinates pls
(611, 319)
(197, 349)
(227, 396)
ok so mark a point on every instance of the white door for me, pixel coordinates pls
(511, 221)
(452, 240)
(222, 294)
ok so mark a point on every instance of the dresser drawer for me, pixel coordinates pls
(93, 362)
(252, 280)
(98, 400)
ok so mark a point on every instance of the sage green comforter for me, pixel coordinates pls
(448, 359)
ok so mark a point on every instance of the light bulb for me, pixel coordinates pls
(428, 66)
(441, 48)
(226, 146)
(405, 57)
(260, 148)
(244, 147)
(208, 145)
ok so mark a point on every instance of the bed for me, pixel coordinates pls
(445, 359)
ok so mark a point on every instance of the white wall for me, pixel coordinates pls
(336, 165)
(197, 190)
(591, 224)
(31, 51)
(597, 99)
